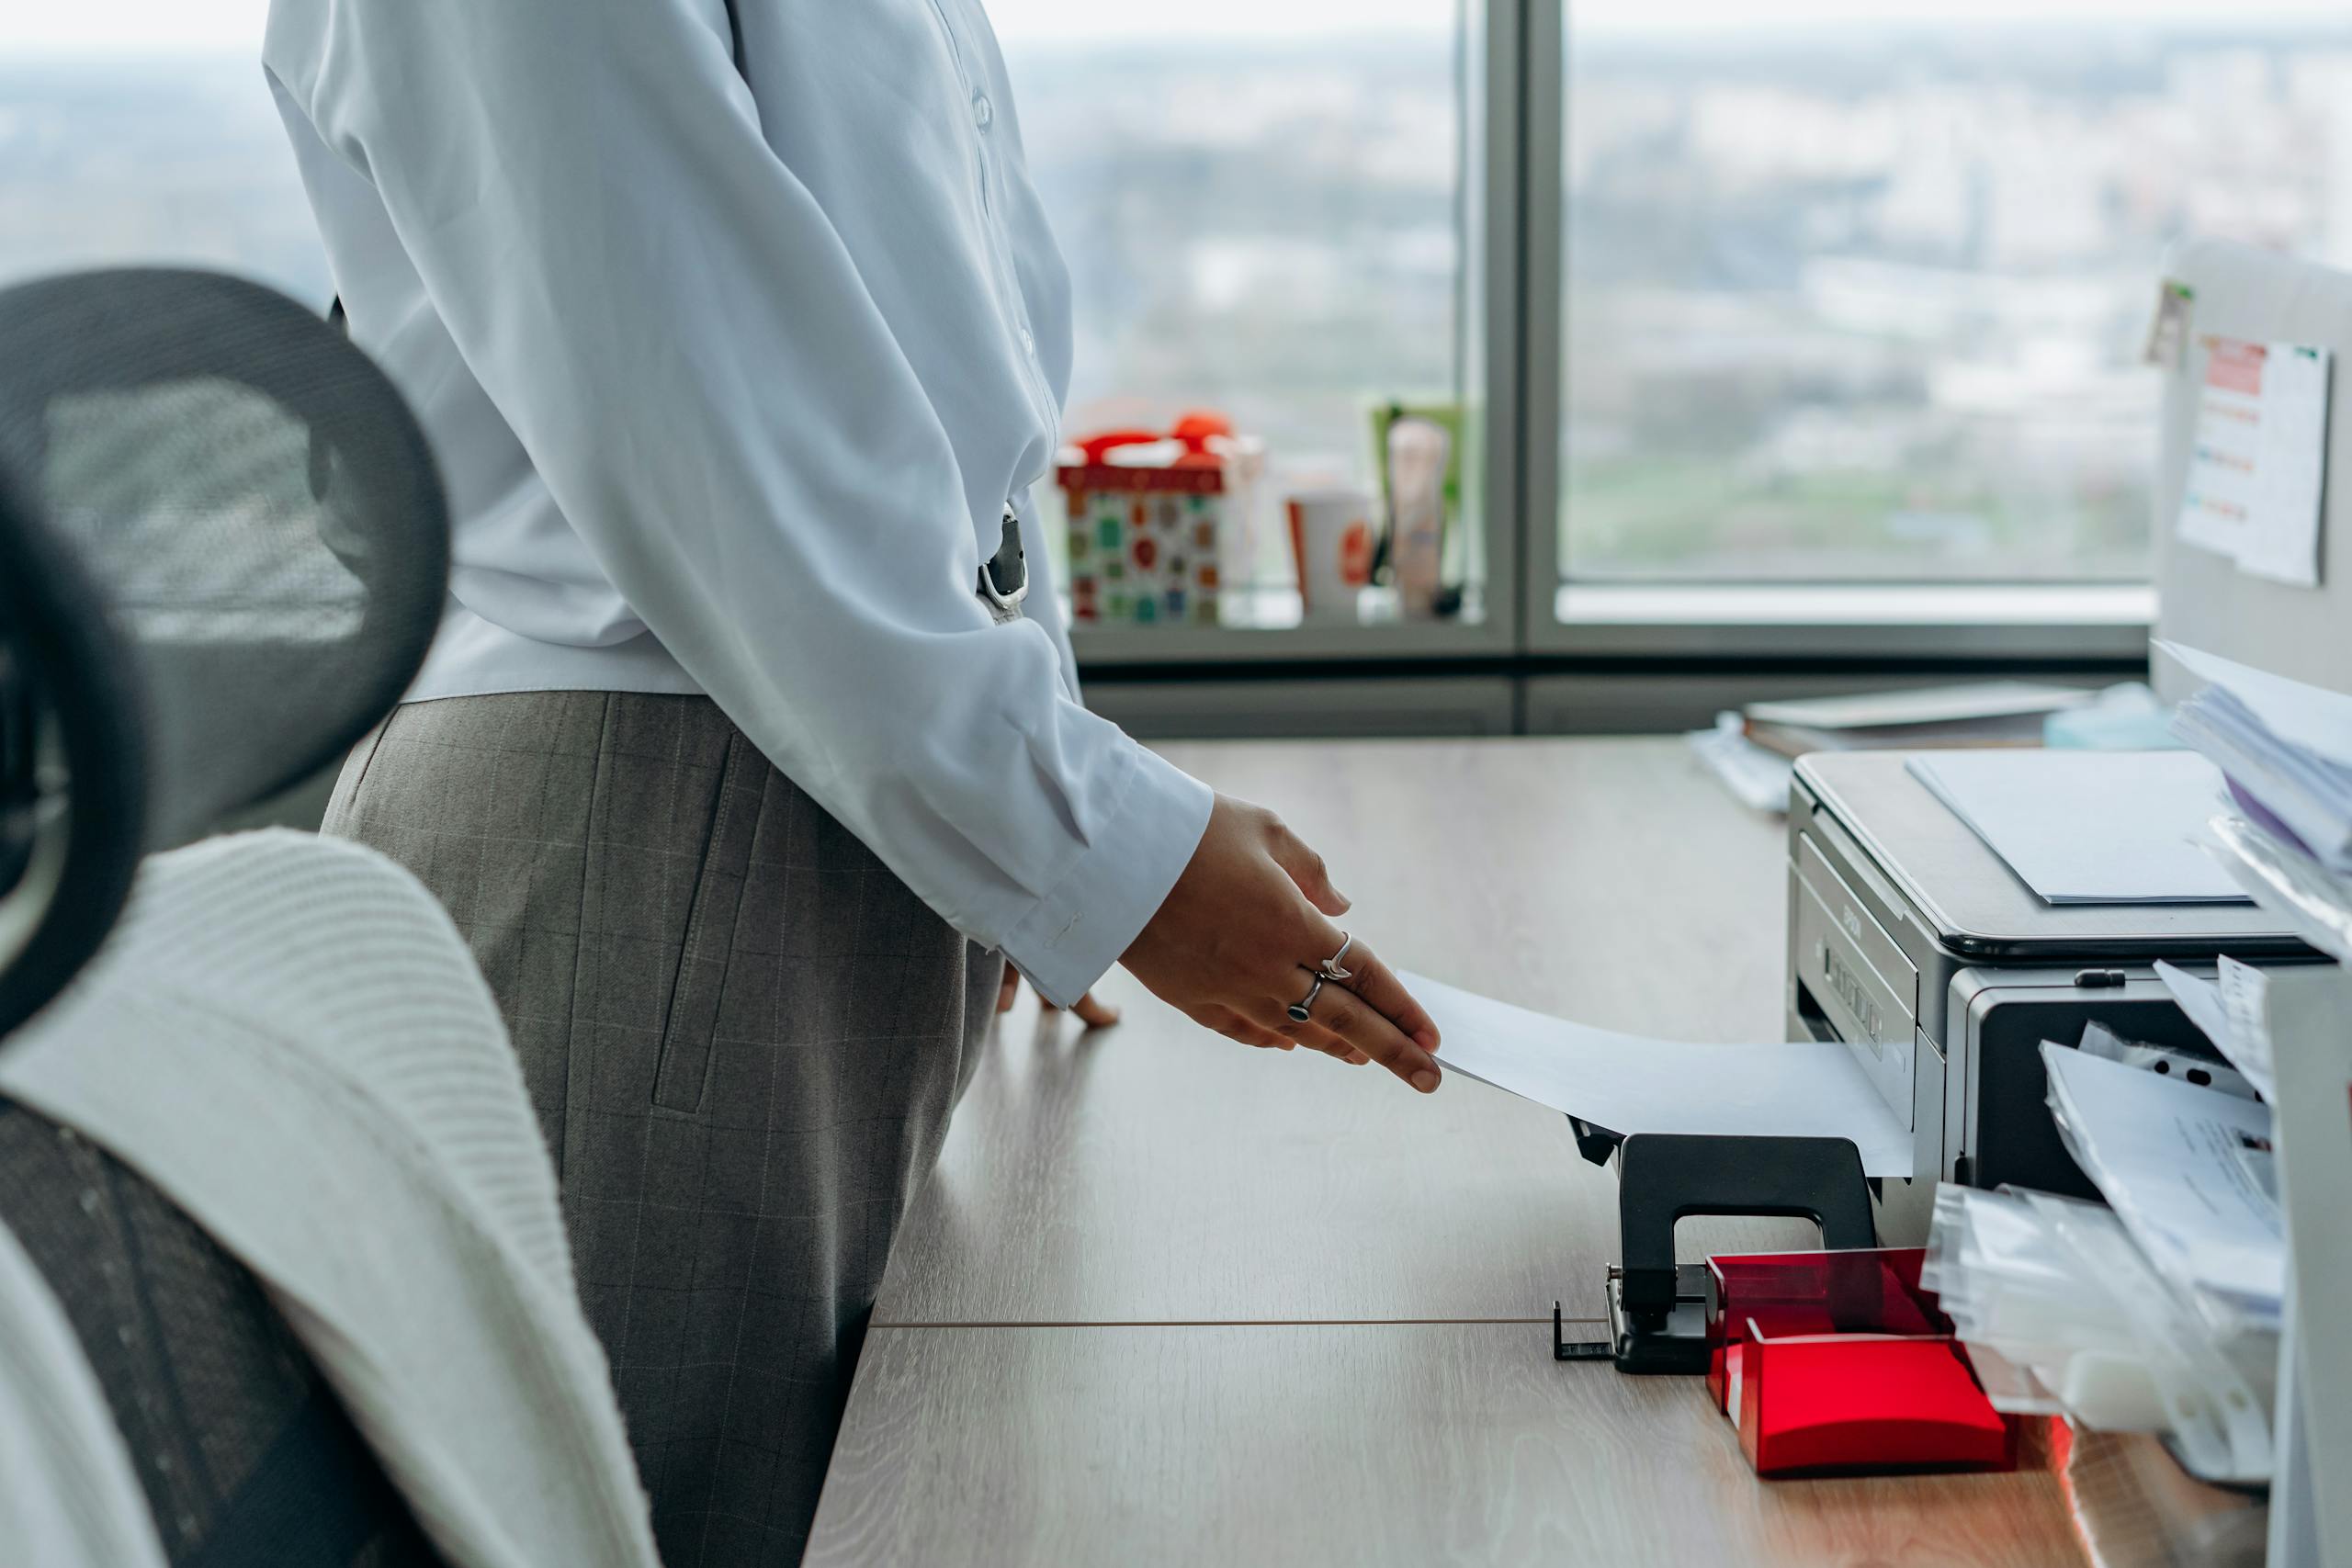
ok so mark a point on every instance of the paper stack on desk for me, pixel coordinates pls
(1629, 1084)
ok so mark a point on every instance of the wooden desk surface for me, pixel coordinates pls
(1171, 1300)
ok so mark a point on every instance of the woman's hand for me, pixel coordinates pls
(1239, 937)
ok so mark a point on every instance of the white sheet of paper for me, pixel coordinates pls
(2258, 464)
(1630, 1084)
(2245, 999)
(2234, 1015)
(2168, 1157)
(2201, 1000)
(2090, 827)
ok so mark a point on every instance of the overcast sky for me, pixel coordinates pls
(100, 25)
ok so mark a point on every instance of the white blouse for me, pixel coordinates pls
(730, 385)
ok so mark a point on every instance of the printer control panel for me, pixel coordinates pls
(1852, 972)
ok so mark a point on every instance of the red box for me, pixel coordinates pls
(1838, 1362)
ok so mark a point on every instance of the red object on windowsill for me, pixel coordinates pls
(1837, 1363)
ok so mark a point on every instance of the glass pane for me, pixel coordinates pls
(1860, 291)
(1262, 210)
(150, 139)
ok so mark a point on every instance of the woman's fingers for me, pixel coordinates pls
(1371, 1013)
(1385, 995)
(1234, 1026)
(1095, 1014)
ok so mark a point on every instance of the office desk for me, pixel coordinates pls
(1171, 1300)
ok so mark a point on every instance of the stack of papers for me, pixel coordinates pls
(2062, 1314)
(2287, 745)
(2160, 1313)
(1986, 713)
(2188, 1171)
(2286, 751)
(2090, 827)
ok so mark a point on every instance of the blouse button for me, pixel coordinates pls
(983, 111)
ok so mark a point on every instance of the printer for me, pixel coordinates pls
(1912, 944)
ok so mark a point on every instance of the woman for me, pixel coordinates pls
(748, 744)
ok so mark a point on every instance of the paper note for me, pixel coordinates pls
(2172, 1158)
(2259, 460)
(2090, 827)
(1630, 1084)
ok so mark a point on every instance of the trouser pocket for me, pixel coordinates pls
(690, 1022)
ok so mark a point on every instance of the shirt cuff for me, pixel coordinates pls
(1074, 935)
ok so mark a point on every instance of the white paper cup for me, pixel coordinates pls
(1332, 539)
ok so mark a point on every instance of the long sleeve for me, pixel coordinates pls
(686, 350)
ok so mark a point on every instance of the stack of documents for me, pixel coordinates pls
(2162, 1312)
(2188, 1171)
(1986, 713)
(2062, 1314)
(2287, 750)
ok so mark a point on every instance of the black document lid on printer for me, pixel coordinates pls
(1977, 903)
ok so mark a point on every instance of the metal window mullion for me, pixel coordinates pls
(1502, 276)
(1543, 339)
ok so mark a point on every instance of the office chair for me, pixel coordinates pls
(223, 548)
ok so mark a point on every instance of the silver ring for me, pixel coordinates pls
(1303, 1011)
(1331, 970)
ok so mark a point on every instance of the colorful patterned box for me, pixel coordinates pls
(1144, 541)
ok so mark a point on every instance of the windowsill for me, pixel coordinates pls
(1876, 604)
(2006, 621)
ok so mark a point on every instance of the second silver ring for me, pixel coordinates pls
(1303, 1010)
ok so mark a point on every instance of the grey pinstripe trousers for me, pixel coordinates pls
(743, 1036)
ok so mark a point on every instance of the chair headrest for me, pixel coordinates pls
(223, 554)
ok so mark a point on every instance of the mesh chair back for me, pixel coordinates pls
(252, 499)
(223, 552)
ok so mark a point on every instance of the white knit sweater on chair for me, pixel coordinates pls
(288, 1038)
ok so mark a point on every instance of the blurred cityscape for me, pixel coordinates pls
(1872, 302)
(1867, 304)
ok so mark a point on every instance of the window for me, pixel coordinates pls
(1860, 291)
(1263, 207)
(148, 137)
(1851, 295)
